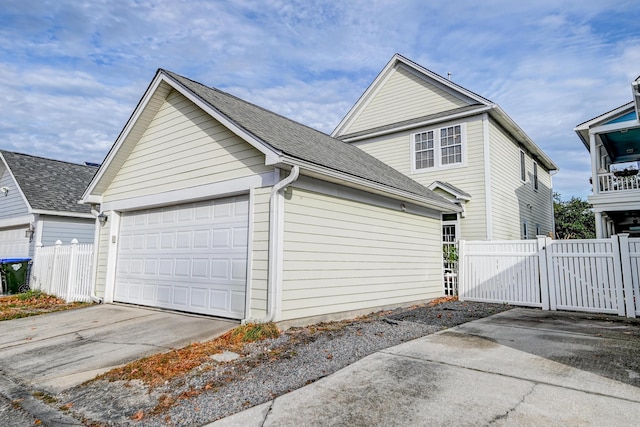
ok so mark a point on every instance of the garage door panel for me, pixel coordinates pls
(190, 257)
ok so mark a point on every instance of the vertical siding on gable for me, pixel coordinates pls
(12, 205)
(395, 150)
(260, 253)
(341, 255)
(403, 96)
(513, 201)
(183, 147)
(66, 229)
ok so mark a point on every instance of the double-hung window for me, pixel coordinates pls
(535, 176)
(424, 150)
(439, 147)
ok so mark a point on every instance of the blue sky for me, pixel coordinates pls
(72, 72)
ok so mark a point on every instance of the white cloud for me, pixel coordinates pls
(72, 72)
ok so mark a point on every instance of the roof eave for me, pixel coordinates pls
(442, 119)
(371, 186)
(503, 118)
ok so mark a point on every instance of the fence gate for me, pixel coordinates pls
(594, 275)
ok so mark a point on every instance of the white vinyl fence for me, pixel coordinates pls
(595, 275)
(63, 270)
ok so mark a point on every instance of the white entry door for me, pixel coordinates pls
(13, 243)
(190, 257)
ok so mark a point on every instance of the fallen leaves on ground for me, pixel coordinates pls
(33, 303)
(159, 368)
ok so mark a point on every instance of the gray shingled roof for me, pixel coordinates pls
(302, 142)
(50, 184)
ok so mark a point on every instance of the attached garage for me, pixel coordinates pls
(190, 257)
(14, 243)
(212, 205)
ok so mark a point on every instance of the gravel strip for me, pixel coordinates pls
(265, 370)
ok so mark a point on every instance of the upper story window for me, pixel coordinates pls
(523, 167)
(440, 147)
(535, 176)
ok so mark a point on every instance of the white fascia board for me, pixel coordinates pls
(14, 222)
(583, 128)
(365, 97)
(635, 90)
(92, 199)
(61, 213)
(374, 187)
(441, 82)
(157, 80)
(270, 153)
(613, 127)
(202, 192)
(504, 119)
(15, 182)
(431, 122)
(458, 196)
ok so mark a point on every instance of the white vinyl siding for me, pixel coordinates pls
(396, 152)
(341, 255)
(67, 229)
(515, 202)
(12, 203)
(183, 147)
(403, 96)
(260, 254)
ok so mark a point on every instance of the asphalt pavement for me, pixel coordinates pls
(521, 367)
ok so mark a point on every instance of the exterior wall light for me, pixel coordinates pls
(28, 233)
(103, 218)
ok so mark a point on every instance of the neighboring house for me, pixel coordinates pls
(214, 205)
(613, 140)
(459, 144)
(39, 203)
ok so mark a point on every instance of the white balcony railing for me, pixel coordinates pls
(609, 182)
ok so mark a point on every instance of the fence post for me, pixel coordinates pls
(627, 280)
(73, 262)
(54, 288)
(617, 272)
(461, 267)
(33, 278)
(551, 283)
(542, 270)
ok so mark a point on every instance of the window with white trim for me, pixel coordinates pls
(538, 230)
(535, 176)
(525, 231)
(439, 147)
(523, 167)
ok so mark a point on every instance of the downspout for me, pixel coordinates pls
(274, 281)
(96, 245)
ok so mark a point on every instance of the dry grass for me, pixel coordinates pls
(159, 368)
(33, 303)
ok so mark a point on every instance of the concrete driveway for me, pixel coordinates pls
(522, 367)
(56, 351)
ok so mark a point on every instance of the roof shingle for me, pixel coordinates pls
(50, 184)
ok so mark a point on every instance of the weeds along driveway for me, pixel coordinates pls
(59, 350)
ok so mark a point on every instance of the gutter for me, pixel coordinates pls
(276, 241)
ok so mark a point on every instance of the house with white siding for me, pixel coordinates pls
(39, 203)
(209, 204)
(613, 141)
(459, 144)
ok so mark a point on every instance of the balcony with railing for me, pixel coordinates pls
(617, 182)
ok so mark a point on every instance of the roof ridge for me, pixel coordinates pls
(251, 103)
(46, 158)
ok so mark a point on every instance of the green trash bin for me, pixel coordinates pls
(14, 272)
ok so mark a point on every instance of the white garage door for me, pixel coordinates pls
(13, 243)
(190, 257)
